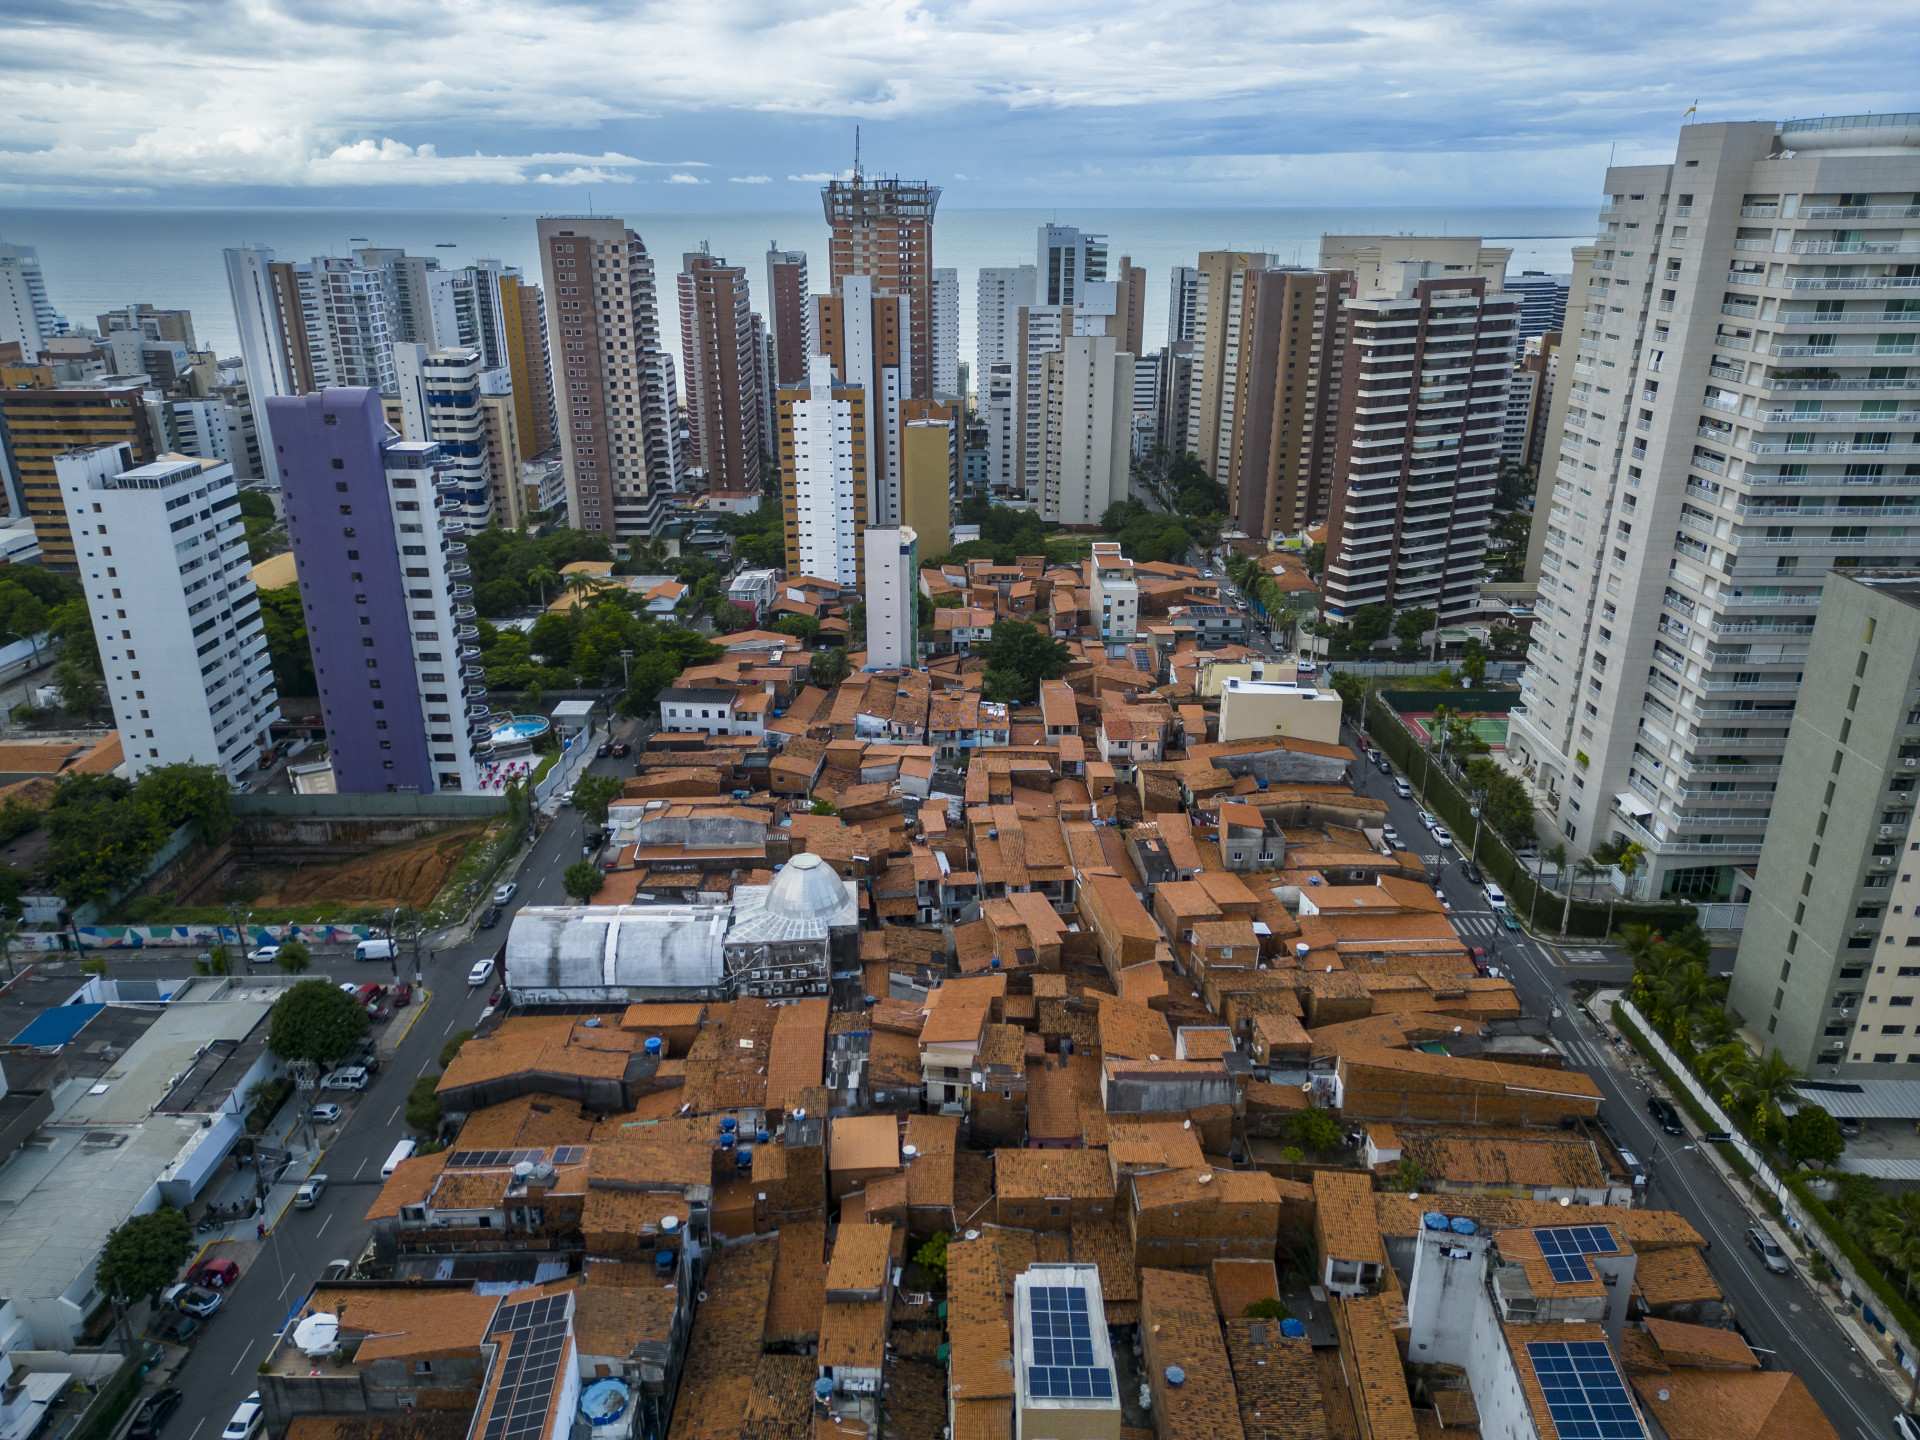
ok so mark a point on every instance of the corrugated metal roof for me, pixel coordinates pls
(1863, 1099)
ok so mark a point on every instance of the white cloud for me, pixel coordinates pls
(347, 93)
(750, 179)
(680, 177)
(820, 177)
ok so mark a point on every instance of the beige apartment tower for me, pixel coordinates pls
(1220, 297)
(721, 360)
(883, 229)
(613, 384)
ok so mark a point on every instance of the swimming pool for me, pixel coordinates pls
(520, 729)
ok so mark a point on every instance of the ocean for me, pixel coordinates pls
(97, 258)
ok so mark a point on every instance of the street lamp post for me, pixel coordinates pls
(1477, 801)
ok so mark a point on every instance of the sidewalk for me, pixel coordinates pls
(1858, 1333)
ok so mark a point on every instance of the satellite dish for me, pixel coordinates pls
(1186, 1124)
(972, 1235)
(1565, 1201)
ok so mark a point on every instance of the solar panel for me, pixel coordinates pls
(490, 1159)
(528, 1376)
(1053, 1382)
(1584, 1392)
(547, 1310)
(569, 1154)
(1567, 1246)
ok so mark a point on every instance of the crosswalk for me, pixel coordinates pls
(1584, 957)
(1583, 1052)
(1482, 924)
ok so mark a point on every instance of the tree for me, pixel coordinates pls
(100, 841)
(830, 666)
(1768, 1083)
(592, 794)
(932, 1256)
(1353, 691)
(423, 1105)
(452, 1047)
(1508, 808)
(1313, 1130)
(583, 880)
(1019, 657)
(285, 621)
(1507, 639)
(1409, 1176)
(1315, 559)
(316, 1020)
(1813, 1136)
(195, 795)
(1473, 664)
(823, 807)
(1896, 1234)
(23, 615)
(801, 627)
(1411, 626)
(142, 1256)
(1367, 625)
(81, 690)
(294, 957)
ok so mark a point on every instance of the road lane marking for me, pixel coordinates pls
(363, 1165)
(323, 1227)
(241, 1361)
(288, 1286)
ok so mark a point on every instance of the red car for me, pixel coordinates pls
(369, 993)
(621, 748)
(1478, 954)
(216, 1273)
(403, 994)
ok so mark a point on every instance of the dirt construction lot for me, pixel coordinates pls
(410, 874)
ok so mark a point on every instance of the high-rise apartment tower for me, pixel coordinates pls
(884, 229)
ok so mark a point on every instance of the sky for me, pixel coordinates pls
(747, 104)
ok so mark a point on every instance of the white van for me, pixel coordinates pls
(373, 950)
(402, 1151)
(1403, 789)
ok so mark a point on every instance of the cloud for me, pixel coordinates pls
(820, 177)
(680, 177)
(1079, 93)
(750, 179)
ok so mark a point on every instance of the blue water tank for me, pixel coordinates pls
(663, 1260)
(744, 1159)
(1433, 1220)
(823, 1390)
(728, 1125)
(1293, 1329)
(653, 1046)
(1463, 1225)
(761, 1137)
(726, 1142)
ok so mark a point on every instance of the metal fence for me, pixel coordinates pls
(366, 807)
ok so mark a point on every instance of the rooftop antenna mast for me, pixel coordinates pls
(856, 156)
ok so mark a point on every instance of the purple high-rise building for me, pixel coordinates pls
(383, 583)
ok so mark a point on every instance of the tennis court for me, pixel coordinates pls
(1490, 728)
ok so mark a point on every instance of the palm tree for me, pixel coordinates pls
(581, 584)
(1896, 1234)
(542, 578)
(1557, 853)
(1724, 1068)
(830, 666)
(1767, 1084)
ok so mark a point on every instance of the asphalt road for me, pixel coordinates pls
(220, 1370)
(1780, 1314)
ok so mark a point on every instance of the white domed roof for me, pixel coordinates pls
(807, 889)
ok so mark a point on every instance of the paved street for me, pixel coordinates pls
(276, 1275)
(1780, 1314)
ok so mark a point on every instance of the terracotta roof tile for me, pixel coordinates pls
(1047, 1174)
(1276, 1379)
(1180, 1328)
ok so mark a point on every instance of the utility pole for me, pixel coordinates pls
(1477, 801)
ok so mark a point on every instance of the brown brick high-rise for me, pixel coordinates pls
(884, 228)
(722, 371)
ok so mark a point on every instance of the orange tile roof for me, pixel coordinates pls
(411, 1182)
(865, 1142)
(1733, 1405)
(1051, 1174)
(1239, 1283)
(1178, 1309)
(408, 1324)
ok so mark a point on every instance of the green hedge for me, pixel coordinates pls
(112, 1404)
(1864, 1265)
(1894, 1307)
(1525, 895)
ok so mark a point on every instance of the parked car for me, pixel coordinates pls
(1443, 837)
(489, 917)
(1509, 919)
(310, 1191)
(336, 1270)
(265, 955)
(324, 1114)
(194, 1299)
(368, 993)
(175, 1327)
(499, 992)
(1470, 871)
(402, 994)
(1403, 788)
(1496, 897)
(1666, 1114)
(1478, 954)
(1771, 1255)
(379, 1014)
(621, 749)
(606, 749)
(481, 972)
(1906, 1427)
(353, 1077)
(1380, 763)
(1429, 819)
(248, 1422)
(217, 1273)
(504, 895)
(1850, 1128)
(154, 1412)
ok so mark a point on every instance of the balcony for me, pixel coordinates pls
(1852, 282)
(1838, 417)
(1883, 352)
(1833, 447)
(1843, 382)
(1785, 684)
(1760, 212)
(1754, 627)
(1860, 212)
(1856, 247)
(1746, 277)
(1821, 319)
